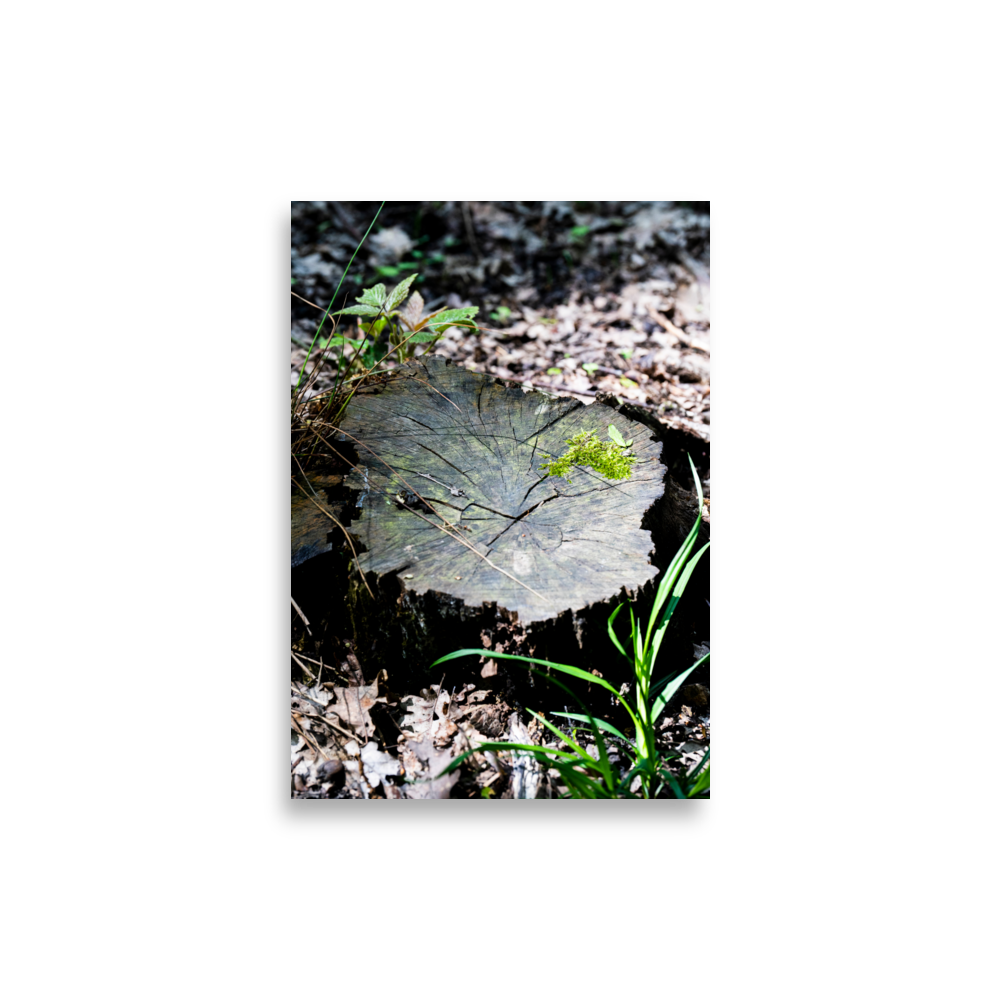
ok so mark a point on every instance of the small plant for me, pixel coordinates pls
(341, 367)
(501, 314)
(360, 351)
(585, 777)
(612, 459)
(406, 325)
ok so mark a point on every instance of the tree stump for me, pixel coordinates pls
(311, 525)
(467, 541)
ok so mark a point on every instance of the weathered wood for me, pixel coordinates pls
(311, 522)
(533, 544)
(488, 536)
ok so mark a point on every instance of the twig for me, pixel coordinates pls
(301, 664)
(327, 721)
(312, 746)
(301, 615)
(307, 302)
(453, 490)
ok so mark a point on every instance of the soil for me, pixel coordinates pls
(583, 299)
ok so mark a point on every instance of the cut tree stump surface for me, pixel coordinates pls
(550, 546)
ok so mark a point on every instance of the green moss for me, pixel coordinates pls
(605, 457)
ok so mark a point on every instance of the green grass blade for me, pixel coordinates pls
(569, 741)
(498, 746)
(701, 763)
(674, 786)
(672, 574)
(636, 638)
(689, 568)
(703, 784)
(675, 598)
(606, 726)
(611, 632)
(672, 687)
(563, 667)
(680, 558)
(490, 653)
(572, 671)
(639, 769)
(582, 786)
(603, 765)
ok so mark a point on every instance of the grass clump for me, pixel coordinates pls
(584, 777)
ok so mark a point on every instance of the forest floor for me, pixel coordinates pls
(574, 298)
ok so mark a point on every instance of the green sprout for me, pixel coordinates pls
(611, 459)
(407, 324)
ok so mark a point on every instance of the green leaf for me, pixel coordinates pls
(422, 338)
(453, 317)
(372, 296)
(398, 293)
(615, 435)
(338, 341)
(589, 368)
(358, 311)
(553, 371)
(375, 327)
